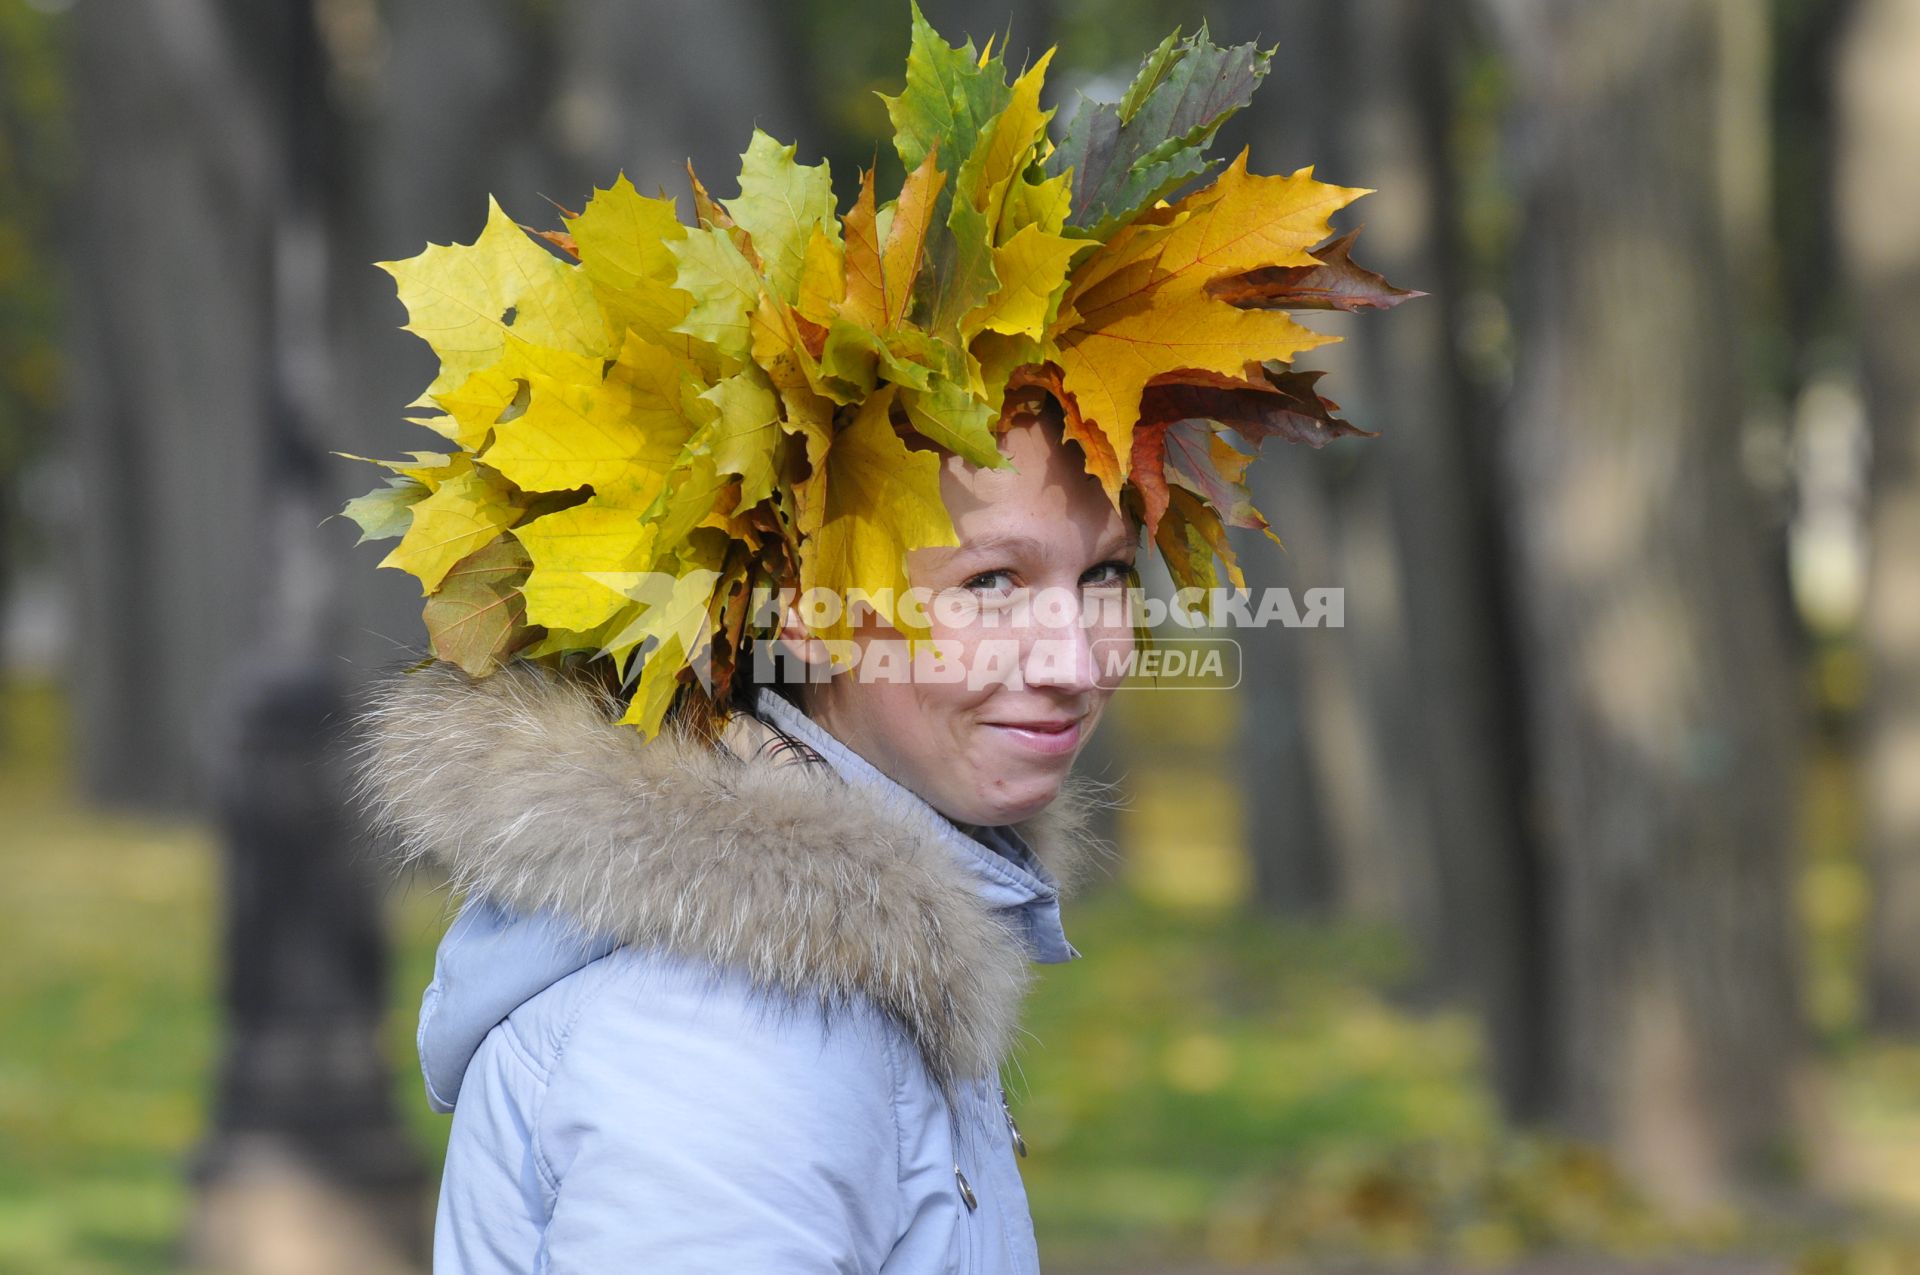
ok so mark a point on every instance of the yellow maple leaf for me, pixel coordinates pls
(823, 278)
(483, 399)
(429, 469)
(555, 642)
(585, 558)
(653, 695)
(442, 424)
(876, 501)
(1147, 311)
(1031, 266)
(581, 429)
(795, 375)
(1190, 537)
(463, 512)
(998, 355)
(673, 608)
(463, 300)
(622, 238)
(1044, 204)
(724, 287)
(1008, 147)
(744, 433)
(697, 495)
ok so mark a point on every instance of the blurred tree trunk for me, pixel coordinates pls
(1664, 723)
(1879, 193)
(171, 249)
(1384, 759)
(307, 1152)
(1325, 832)
(1287, 842)
(1398, 61)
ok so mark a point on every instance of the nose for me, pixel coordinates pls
(1059, 650)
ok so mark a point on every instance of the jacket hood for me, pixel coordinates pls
(571, 835)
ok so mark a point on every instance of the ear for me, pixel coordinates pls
(799, 642)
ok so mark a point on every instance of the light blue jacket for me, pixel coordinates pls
(711, 1011)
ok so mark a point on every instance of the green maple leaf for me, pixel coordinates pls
(725, 288)
(950, 95)
(951, 416)
(385, 512)
(1125, 155)
(744, 433)
(779, 205)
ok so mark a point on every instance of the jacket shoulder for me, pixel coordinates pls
(681, 1084)
(645, 1030)
(633, 989)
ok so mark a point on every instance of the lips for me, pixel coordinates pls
(1047, 737)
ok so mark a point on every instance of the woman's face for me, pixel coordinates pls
(1027, 608)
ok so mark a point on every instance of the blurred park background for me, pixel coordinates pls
(1559, 912)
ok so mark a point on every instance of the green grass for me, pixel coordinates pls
(106, 992)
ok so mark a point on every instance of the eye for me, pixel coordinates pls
(1108, 574)
(990, 582)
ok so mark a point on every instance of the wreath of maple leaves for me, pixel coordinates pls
(647, 421)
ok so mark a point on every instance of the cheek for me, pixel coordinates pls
(1110, 639)
(906, 721)
(970, 646)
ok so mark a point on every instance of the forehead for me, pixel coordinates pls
(1044, 492)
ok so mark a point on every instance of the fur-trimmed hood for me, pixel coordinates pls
(817, 881)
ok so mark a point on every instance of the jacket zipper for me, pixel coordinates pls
(1019, 1143)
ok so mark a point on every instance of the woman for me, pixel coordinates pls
(740, 965)
(731, 1010)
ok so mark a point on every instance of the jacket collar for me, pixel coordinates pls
(525, 789)
(1007, 874)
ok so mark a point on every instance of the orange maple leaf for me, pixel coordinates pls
(1139, 306)
(880, 276)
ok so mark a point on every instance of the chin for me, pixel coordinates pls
(1018, 802)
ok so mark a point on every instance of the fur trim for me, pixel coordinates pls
(523, 786)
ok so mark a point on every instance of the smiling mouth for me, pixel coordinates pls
(1042, 737)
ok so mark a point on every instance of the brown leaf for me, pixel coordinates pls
(559, 239)
(727, 615)
(477, 618)
(705, 207)
(812, 335)
(1180, 415)
(1280, 404)
(1200, 458)
(1148, 472)
(1335, 284)
(711, 212)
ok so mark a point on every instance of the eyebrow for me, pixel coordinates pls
(989, 545)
